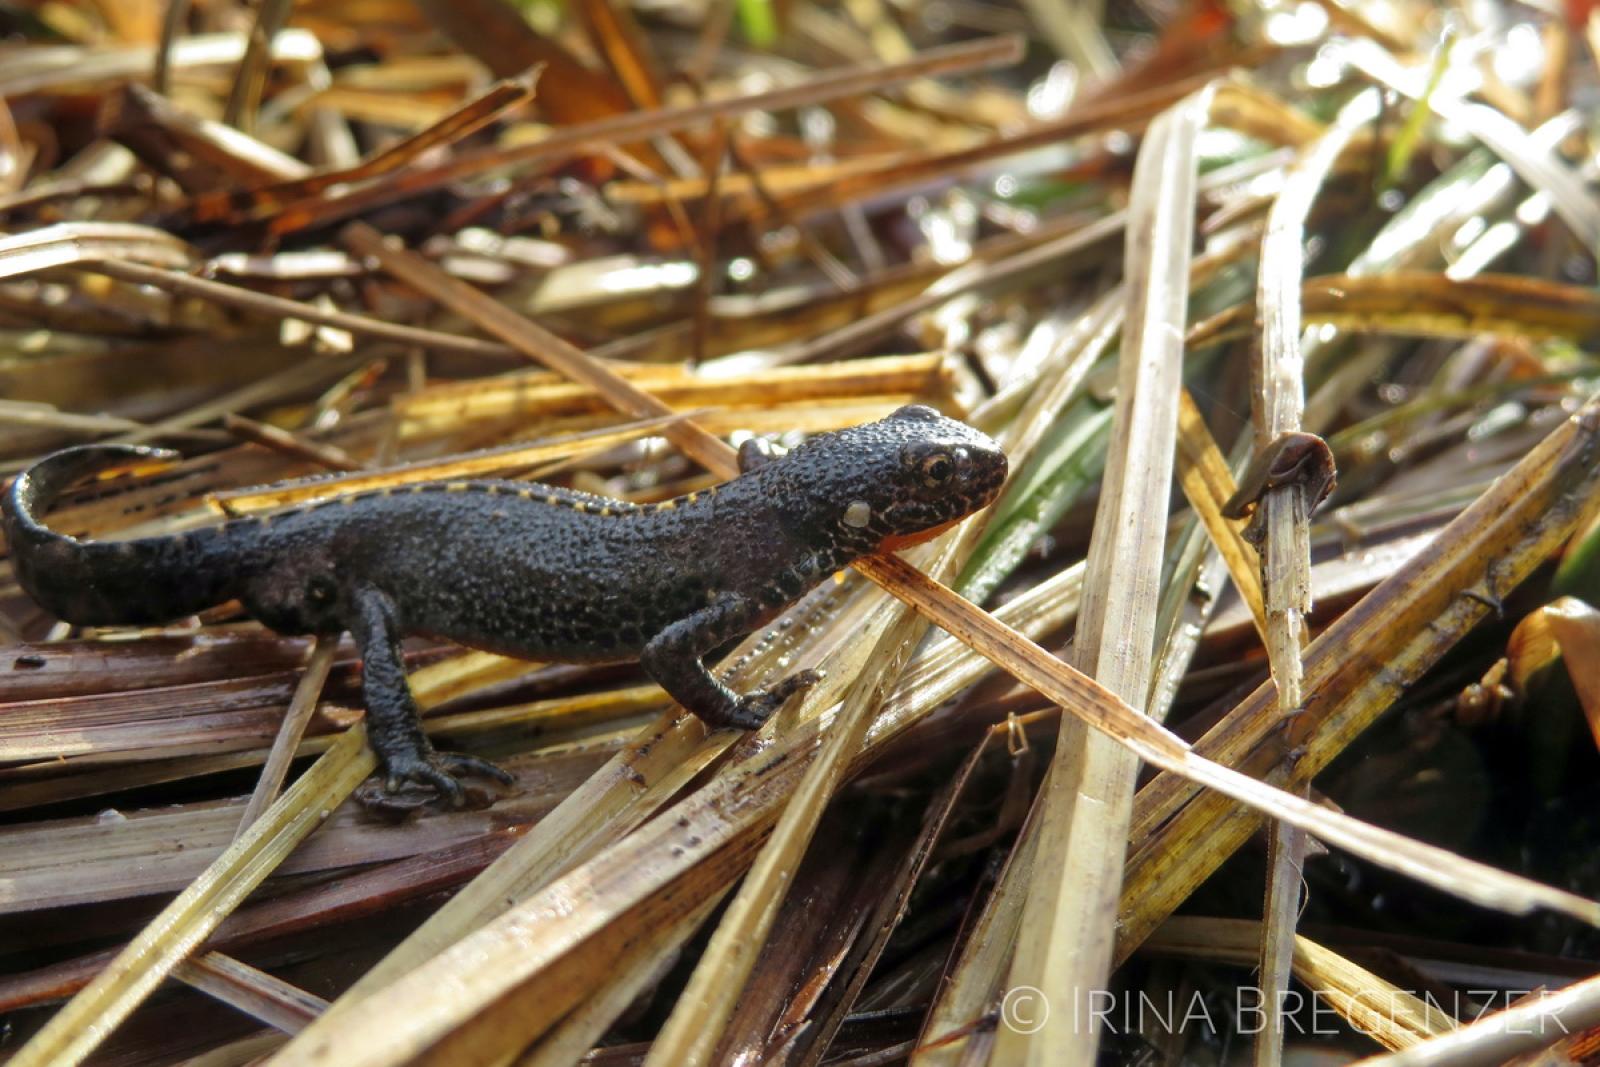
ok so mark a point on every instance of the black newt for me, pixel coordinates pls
(523, 569)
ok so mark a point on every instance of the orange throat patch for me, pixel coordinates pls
(896, 542)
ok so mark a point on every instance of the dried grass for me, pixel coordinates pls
(359, 243)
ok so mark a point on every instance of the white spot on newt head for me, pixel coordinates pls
(858, 514)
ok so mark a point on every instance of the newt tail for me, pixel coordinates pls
(106, 583)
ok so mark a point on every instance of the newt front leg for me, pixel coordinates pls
(673, 659)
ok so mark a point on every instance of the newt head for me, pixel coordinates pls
(895, 482)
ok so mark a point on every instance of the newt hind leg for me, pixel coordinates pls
(394, 724)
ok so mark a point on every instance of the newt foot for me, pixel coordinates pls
(414, 781)
(756, 708)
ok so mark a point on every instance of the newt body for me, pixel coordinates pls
(526, 570)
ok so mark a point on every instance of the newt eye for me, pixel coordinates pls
(937, 469)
